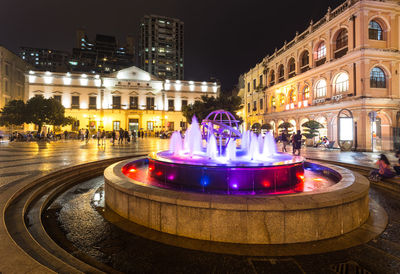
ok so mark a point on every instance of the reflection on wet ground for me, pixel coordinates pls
(78, 218)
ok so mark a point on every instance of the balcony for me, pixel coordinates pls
(75, 106)
(133, 106)
(116, 106)
(93, 106)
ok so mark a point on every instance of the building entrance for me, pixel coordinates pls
(133, 125)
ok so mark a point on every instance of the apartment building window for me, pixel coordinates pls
(292, 96)
(272, 78)
(133, 102)
(320, 54)
(255, 106)
(306, 93)
(375, 31)
(273, 102)
(184, 103)
(75, 102)
(377, 78)
(171, 106)
(57, 98)
(320, 89)
(341, 43)
(254, 83)
(261, 80)
(92, 102)
(6, 86)
(342, 83)
(116, 125)
(116, 102)
(261, 104)
(150, 125)
(281, 73)
(150, 103)
(248, 87)
(248, 107)
(292, 68)
(304, 62)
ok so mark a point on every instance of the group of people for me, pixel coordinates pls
(295, 140)
(323, 141)
(384, 170)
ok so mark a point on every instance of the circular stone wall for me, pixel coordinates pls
(245, 219)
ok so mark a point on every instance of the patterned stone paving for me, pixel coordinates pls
(22, 162)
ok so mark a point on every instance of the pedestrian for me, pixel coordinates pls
(114, 136)
(87, 136)
(142, 134)
(297, 142)
(98, 135)
(284, 140)
(384, 170)
(127, 137)
(292, 140)
(65, 135)
(133, 136)
(121, 136)
(397, 166)
(103, 137)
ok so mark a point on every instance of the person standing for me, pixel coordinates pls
(297, 142)
(114, 136)
(98, 135)
(103, 137)
(121, 136)
(284, 140)
(87, 135)
(142, 134)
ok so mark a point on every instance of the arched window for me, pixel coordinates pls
(304, 61)
(272, 78)
(273, 102)
(306, 93)
(321, 51)
(320, 89)
(293, 96)
(281, 99)
(281, 73)
(292, 68)
(342, 39)
(342, 82)
(377, 78)
(375, 31)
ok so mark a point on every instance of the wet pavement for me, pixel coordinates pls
(21, 162)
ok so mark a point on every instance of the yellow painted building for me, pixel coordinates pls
(346, 65)
(130, 99)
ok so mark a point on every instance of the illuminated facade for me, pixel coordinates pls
(130, 98)
(349, 60)
(12, 80)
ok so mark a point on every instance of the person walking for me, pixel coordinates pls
(127, 137)
(113, 136)
(297, 142)
(284, 140)
(121, 136)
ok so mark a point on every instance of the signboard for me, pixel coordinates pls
(346, 129)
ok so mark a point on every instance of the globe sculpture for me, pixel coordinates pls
(222, 124)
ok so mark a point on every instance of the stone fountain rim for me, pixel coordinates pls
(345, 191)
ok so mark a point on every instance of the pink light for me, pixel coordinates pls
(235, 186)
(171, 177)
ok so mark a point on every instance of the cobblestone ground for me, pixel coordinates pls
(20, 160)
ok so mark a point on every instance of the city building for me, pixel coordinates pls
(161, 46)
(130, 99)
(342, 71)
(46, 59)
(12, 77)
(103, 55)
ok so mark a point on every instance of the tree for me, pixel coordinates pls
(209, 103)
(311, 128)
(285, 126)
(41, 111)
(13, 113)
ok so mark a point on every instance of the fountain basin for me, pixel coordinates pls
(281, 173)
(247, 219)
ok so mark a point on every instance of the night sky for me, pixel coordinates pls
(222, 38)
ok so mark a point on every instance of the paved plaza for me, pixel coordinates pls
(22, 162)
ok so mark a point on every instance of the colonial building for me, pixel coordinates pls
(346, 65)
(130, 99)
(12, 79)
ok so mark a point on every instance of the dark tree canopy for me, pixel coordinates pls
(208, 104)
(311, 128)
(13, 113)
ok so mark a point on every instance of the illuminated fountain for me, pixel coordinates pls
(217, 184)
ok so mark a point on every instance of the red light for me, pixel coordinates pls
(301, 177)
(151, 168)
(266, 184)
(159, 173)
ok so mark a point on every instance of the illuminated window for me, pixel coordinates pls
(306, 93)
(281, 99)
(321, 51)
(342, 83)
(320, 89)
(116, 125)
(273, 102)
(293, 96)
(377, 78)
(375, 31)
